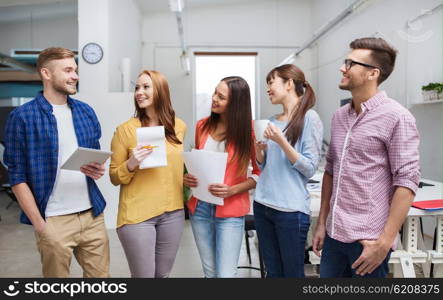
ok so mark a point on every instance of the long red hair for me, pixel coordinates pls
(162, 105)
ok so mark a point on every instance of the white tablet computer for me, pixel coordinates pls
(83, 156)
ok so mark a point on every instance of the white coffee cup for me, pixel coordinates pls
(259, 129)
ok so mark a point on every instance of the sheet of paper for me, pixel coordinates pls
(153, 136)
(209, 167)
(82, 156)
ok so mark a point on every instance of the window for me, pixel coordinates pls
(211, 67)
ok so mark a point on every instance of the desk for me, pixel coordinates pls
(412, 235)
(408, 251)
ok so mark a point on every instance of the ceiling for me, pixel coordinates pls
(148, 6)
(21, 10)
(6, 3)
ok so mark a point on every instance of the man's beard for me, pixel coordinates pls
(61, 88)
(347, 87)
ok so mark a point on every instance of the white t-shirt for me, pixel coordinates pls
(213, 145)
(70, 191)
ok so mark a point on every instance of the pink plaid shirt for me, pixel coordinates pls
(369, 155)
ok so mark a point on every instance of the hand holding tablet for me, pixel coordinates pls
(85, 156)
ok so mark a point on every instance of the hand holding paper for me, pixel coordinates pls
(209, 169)
(137, 155)
(152, 139)
(221, 190)
(190, 180)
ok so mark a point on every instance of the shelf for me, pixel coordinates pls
(8, 76)
(427, 102)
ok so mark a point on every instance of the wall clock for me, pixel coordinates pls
(92, 53)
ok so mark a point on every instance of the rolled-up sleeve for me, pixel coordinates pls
(118, 170)
(14, 155)
(329, 166)
(262, 165)
(404, 154)
(310, 153)
(254, 163)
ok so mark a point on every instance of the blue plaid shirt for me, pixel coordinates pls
(31, 148)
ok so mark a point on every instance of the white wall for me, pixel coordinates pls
(93, 16)
(31, 28)
(112, 109)
(419, 62)
(124, 40)
(271, 28)
(115, 25)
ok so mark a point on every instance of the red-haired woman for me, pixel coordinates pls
(150, 214)
(218, 230)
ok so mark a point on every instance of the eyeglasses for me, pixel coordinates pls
(349, 63)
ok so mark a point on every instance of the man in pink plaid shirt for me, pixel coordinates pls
(372, 169)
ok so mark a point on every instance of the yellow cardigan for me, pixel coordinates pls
(146, 193)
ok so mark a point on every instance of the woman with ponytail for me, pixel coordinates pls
(287, 159)
(219, 229)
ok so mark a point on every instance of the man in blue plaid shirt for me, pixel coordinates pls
(65, 207)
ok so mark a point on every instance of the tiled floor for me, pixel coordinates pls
(19, 256)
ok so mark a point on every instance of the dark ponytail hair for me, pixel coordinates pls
(303, 90)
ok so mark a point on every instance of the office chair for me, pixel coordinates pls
(249, 226)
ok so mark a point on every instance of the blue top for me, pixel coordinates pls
(282, 184)
(31, 148)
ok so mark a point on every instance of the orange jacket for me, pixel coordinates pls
(239, 204)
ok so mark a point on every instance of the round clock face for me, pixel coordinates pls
(92, 53)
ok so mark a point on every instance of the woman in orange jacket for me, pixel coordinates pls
(218, 230)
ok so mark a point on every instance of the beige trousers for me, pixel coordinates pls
(78, 233)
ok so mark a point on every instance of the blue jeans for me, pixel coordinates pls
(282, 238)
(337, 259)
(218, 240)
